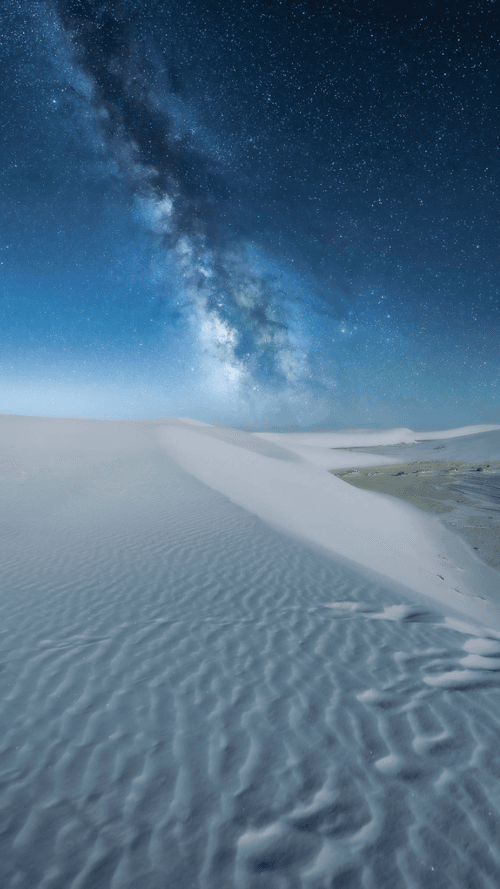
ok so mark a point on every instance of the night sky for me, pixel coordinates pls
(272, 215)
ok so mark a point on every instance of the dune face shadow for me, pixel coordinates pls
(190, 697)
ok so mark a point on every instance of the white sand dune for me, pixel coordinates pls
(376, 531)
(320, 448)
(210, 681)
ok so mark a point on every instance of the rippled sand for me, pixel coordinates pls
(190, 698)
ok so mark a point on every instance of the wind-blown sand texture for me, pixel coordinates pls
(193, 696)
(431, 486)
(444, 488)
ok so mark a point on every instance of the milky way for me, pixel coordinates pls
(185, 198)
(280, 213)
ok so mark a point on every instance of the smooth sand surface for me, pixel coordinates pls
(343, 448)
(480, 445)
(287, 489)
(194, 695)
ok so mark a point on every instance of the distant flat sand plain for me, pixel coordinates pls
(468, 494)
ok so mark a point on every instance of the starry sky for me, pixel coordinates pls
(273, 215)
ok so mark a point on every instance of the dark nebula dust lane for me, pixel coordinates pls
(139, 132)
(184, 197)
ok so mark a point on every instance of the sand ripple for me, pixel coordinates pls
(191, 699)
